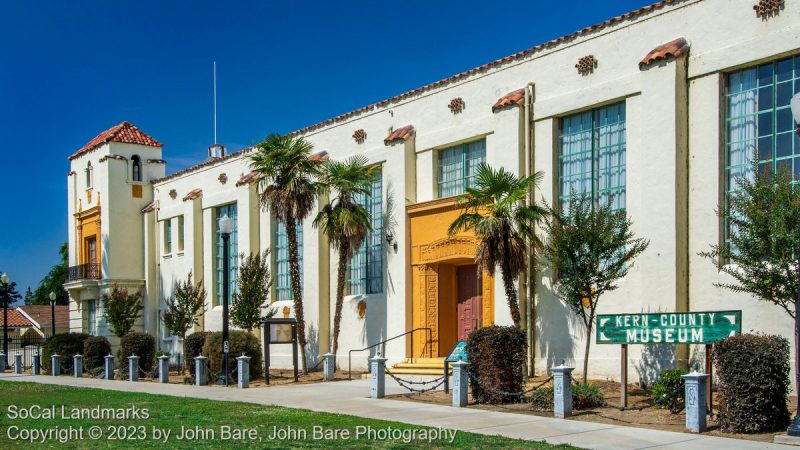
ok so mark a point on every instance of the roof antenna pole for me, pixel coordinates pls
(215, 102)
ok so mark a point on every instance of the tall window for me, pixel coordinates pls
(366, 266)
(168, 236)
(592, 156)
(180, 233)
(136, 168)
(283, 279)
(457, 166)
(89, 175)
(758, 119)
(91, 317)
(233, 257)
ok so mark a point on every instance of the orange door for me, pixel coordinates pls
(470, 302)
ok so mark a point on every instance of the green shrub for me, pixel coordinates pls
(95, 350)
(496, 355)
(668, 391)
(753, 372)
(240, 343)
(142, 345)
(542, 399)
(193, 347)
(65, 345)
(584, 396)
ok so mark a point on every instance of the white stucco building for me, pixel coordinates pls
(654, 110)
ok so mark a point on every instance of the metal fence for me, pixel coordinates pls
(27, 346)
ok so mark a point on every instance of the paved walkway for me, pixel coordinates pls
(352, 398)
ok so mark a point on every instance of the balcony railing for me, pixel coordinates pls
(83, 272)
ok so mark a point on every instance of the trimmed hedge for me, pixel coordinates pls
(65, 345)
(497, 356)
(753, 372)
(193, 347)
(95, 350)
(142, 345)
(240, 342)
(669, 391)
(584, 396)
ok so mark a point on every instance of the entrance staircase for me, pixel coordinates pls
(419, 366)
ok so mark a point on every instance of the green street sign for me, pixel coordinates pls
(668, 328)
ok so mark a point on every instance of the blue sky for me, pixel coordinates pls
(69, 70)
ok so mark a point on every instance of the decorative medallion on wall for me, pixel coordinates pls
(223, 178)
(456, 105)
(173, 193)
(586, 65)
(286, 312)
(768, 8)
(362, 309)
(360, 136)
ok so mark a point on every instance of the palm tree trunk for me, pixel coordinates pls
(344, 250)
(511, 293)
(297, 290)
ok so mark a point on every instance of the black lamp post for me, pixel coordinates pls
(6, 300)
(225, 229)
(52, 314)
(794, 427)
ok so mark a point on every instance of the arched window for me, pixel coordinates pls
(137, 168)
(89, 175)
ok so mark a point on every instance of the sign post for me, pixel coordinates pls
(705, 327)
(280, 331)
(457, 354)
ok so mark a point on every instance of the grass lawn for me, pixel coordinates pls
(166, 413)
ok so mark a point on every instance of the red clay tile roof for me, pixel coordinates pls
(673, 49)
(247, 179)
(124, 132)
(16, 319)
(494, 64)
(512, 98)
(319, 156)
(400, 134)
(42, 315)
(193, 194)
(150, 207)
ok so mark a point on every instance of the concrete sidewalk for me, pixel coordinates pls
(352, 398)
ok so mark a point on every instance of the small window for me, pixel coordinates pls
(91, 317)
(180, 233)
(457, 166)
(89, 175)
(168, 236)
(136, 169)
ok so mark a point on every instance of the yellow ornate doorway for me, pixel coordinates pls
(446, 289)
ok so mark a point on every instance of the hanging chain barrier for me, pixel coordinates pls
(665, 400)
(519, 394)
(407, 384)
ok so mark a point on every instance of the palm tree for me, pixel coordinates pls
(344, 219)
(494, 208)
(288, 187)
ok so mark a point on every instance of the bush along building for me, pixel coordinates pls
(655, 112)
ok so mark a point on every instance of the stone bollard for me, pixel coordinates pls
(36, 364)
(695, 399)
(377, 388)
(562, 391)
(163, 369)
(55, 365)
(18, 363)
(109, 367)
(460, 383)
(133, 368)
(243, 370)
(200, 375)
(328, 366)
(77, 365)
(2, 362)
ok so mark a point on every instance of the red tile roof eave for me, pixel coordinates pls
(493, 64)
(457, 77)
(124, 132)
(672, 49)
